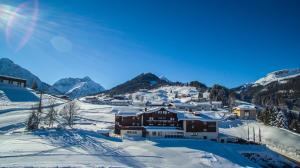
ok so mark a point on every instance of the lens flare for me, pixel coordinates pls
(20, 23)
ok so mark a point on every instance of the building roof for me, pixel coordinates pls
(245, 107)
(128, 113)
(11, 77)
(160, 108)
(188, 116)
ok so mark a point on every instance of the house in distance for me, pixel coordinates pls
(245, 112)
(12, 81)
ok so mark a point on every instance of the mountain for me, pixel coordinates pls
(279, 88)
(9, 68)
(281, 75)
(76, 87)
(142, 81)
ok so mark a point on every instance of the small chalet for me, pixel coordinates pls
(164, 122)
(12, 81)
(245, 111)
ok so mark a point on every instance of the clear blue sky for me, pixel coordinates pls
(229, 42)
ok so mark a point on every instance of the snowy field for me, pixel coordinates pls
(85, 147)
(280, 140)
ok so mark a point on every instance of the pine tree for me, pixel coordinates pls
(273, 116)
(281, 120)
(34, 119)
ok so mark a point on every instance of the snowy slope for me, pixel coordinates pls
(9, 68)
(16, 94)
(76, 87)
(281, 140)
(278, 76)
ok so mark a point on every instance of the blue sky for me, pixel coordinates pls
(227, 42)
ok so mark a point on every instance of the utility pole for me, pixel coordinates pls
(248, 134)
(259, 135)
(40, 102)
(253, 134)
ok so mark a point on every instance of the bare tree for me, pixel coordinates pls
(52, 113)
(34, 119)
(68, 112)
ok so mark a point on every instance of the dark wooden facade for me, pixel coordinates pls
(162, 118)
(13, 81)
(200, 126)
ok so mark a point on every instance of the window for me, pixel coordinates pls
(194, 134)
(204, 123)
(133, 124)
(247, 113)
(204, 130)
(131, 132)
(193, 126)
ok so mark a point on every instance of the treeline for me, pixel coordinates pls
(282, 118)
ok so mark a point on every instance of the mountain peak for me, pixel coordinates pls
(278, 75)
(86, 78)
(76, 87)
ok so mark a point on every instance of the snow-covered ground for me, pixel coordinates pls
(84, 146)
(281, 140)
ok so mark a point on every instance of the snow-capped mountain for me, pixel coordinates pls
(9, 68)
(76, 87)
(280, 88)
(278, 76)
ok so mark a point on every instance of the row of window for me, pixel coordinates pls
(162, 118)
(161, 124)
(132, 132)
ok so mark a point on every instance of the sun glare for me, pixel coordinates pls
(18, 23)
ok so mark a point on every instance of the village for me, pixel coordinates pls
(174, 113)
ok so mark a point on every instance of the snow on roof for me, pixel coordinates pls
(189, 116)
(120, 101)
(128, 113)
(245, 107)
(183, 105)
(159, 108)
